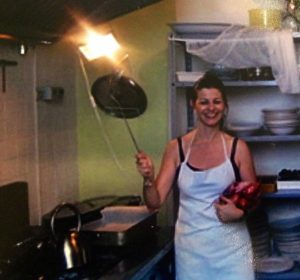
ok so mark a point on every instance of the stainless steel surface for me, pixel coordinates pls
(122, 225)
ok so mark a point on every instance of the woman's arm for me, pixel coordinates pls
(156, 190)
(244, 162)
(225, 209)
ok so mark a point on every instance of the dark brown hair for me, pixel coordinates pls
(209, 80)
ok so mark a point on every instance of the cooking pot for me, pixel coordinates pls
(70, 247)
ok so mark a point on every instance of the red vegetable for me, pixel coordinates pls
(242, 203)
(235, 198)
(243, 194)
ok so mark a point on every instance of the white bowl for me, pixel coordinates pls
(281, 117)
(281, 122)
(280, 113)
(270, 111)
(282, 130)
(188, 76)
(243, 128)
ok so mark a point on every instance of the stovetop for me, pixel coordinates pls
(101, 261)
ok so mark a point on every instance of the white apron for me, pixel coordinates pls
(205, 248)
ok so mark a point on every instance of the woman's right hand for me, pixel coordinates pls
(145, 165)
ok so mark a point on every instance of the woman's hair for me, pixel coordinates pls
(209, 80)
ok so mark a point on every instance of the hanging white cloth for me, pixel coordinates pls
(243, 47)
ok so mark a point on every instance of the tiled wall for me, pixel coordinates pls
(38, 138)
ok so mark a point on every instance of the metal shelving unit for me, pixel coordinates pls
(292, 193)
(271, 83)
(180, 116)
(272, 138)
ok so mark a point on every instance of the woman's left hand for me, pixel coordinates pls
(227, 211)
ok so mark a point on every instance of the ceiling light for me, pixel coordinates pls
(99, 45)
(23, 48)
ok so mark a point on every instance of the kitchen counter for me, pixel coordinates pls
(144, 259)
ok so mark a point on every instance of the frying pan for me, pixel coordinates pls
(121, 97)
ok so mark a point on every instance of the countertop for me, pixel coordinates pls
(143, 257)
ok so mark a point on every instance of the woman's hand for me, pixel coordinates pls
(145, 165)
(227, 211)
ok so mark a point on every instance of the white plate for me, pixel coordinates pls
(190, 27)
(274, 264)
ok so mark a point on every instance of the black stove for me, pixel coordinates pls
(26, 257)
(101, 260)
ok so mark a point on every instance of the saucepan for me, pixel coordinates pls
(121, 97)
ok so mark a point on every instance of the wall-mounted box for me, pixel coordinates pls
(50, 94)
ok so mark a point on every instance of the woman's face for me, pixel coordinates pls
(209, 106)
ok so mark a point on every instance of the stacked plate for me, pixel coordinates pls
(274, 265)
(286, 236)
(260, 236)
(281, 121)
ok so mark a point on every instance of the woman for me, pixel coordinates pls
(211, 238)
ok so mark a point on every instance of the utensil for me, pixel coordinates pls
(132, 100)
(70, 250)
(121, 97)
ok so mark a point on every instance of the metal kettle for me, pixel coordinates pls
(70, 249)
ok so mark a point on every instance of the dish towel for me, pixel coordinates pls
(243, 47)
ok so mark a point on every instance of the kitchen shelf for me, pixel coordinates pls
(292, 193)
(271, 83)
(272, 138)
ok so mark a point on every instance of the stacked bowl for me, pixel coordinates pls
(281, 121)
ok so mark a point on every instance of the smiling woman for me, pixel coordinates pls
(211, 237)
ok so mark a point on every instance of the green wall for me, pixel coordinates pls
(144, 36)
